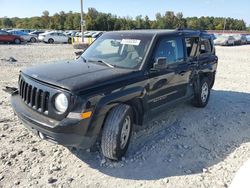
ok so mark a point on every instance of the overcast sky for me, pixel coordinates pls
(224, 8)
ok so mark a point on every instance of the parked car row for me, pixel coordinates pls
(18, 36)
(231, 40)
(26, 36)
(6, 37)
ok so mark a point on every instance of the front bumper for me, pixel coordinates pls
(68, 132)
(41, 39)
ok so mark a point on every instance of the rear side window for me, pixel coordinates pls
(3, 33)
(205, 46)
(192, 44)
(171, 48)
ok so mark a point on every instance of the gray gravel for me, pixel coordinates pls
(181, 147)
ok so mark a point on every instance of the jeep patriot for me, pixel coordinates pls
(120, 79)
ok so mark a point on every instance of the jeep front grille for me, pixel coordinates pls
(34, 97)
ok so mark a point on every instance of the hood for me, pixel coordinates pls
(74, 75)
(33, 35)
(220, 40)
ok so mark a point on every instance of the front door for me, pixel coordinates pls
(171, 83)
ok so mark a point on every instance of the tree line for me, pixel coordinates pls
(95, 20)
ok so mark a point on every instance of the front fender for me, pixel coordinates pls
(111, 100)
(117, 97)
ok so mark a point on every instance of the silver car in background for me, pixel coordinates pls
(248, 39)
(224, 40)
(240, 39)
(26, 36)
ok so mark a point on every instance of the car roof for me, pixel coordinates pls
(155, 32)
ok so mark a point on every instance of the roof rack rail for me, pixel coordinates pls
(186, 29)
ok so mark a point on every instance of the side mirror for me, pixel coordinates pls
(161, 63)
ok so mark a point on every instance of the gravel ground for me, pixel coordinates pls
(181, 147)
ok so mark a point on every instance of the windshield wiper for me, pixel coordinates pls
(84, 60)
(101, 61)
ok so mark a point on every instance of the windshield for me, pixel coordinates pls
(119, 50)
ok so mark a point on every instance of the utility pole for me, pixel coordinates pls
(82, 21)
(225, 22)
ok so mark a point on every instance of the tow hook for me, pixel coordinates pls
(41, 135)
(10, 90)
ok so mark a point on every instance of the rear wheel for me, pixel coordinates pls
(202, 97)
(17, 41)
(33, 40)
(51, 41)
(117, 132)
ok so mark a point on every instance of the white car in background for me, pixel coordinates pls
(54, 37)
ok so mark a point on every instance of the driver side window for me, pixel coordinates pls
(170, 48)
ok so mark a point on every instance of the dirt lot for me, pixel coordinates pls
(182, 147)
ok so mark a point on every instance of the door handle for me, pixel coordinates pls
(182, 73)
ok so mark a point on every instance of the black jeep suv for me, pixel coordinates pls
(121, 78)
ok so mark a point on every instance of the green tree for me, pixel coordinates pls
(90, 19)
(69, 21)
(139, 22)
(181, 22)
(77, 21)
(146, 23)
(45, 19)
(102, 21)
(7, 22)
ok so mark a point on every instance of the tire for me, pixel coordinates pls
(202, 97)
(33, 40)
(17, 41)
(116, 132)
(51, 41)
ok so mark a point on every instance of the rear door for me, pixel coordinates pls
(55, 37)
(62, 38)
(207, 58)
(2, 36)
(205, 53)
(5, 37)
(170, 84)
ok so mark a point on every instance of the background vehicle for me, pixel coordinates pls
(27, 37)
(6, 37)
(70, 33)
(240, 39)
(37, 33)
(26, 30)
(248, 39)
(54, 37)
(224, 40)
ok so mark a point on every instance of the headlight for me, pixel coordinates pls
(61, 103)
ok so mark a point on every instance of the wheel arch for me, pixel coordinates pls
(132, 97)
(209, 75)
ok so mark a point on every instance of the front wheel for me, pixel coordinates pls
(33, 40)
(51, 41)
(117, 132)
(201, 98)
(17, 41)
